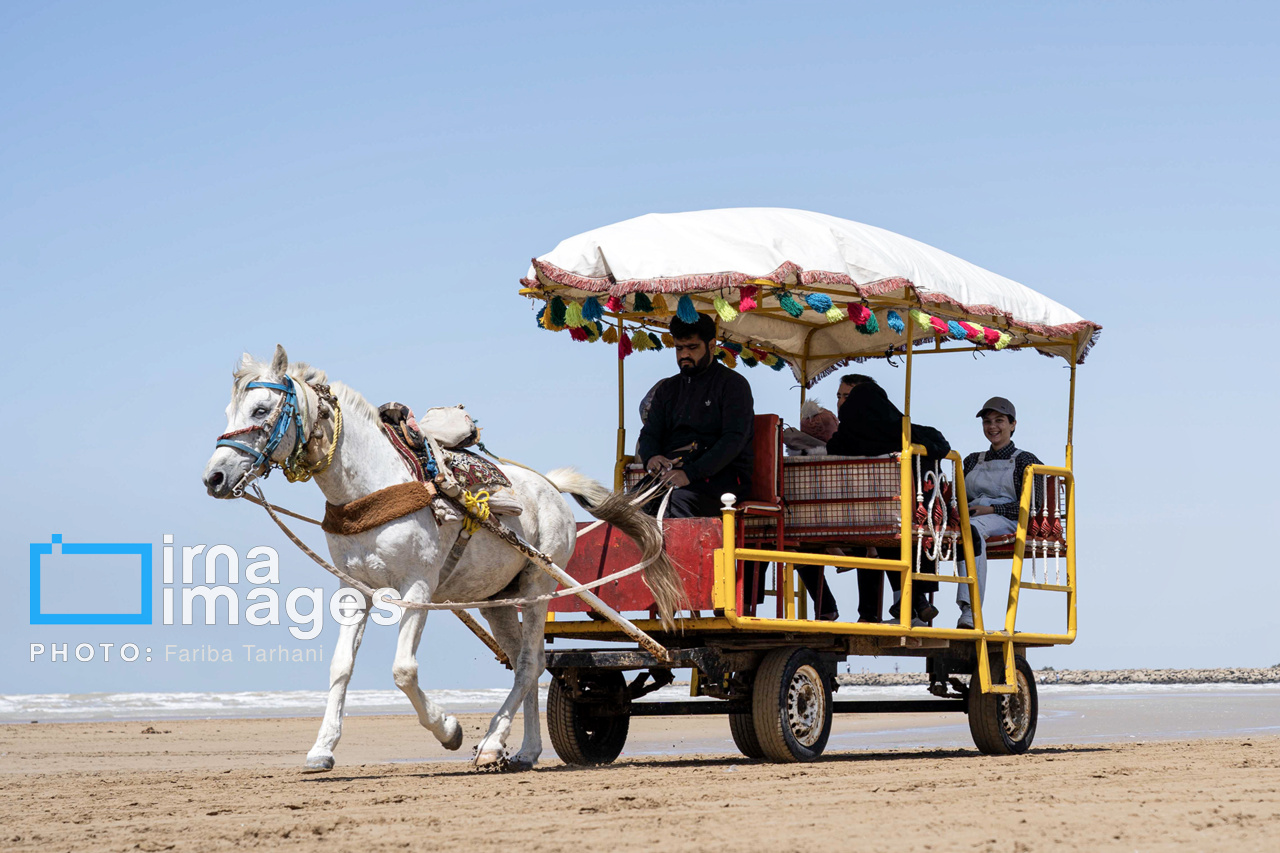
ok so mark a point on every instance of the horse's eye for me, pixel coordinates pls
(260, 412)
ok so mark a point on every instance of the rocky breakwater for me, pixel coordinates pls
(1221, 675)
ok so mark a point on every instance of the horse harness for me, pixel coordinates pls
(288, 414)
(436, 472)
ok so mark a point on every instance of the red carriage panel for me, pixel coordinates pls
(691, 544)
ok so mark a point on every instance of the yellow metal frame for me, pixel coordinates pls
(794, 621)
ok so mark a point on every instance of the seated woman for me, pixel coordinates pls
(993, 485)
(871, 425)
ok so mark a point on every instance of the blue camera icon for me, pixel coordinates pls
(90, 583)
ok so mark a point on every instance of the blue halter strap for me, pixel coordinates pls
(289, 413)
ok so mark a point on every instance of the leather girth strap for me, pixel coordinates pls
(378, 508)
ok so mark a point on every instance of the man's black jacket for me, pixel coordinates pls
(713, 409)
(871, 425)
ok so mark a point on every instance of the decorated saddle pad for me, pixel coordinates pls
(475, 473)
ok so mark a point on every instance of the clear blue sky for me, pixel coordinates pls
(365, 183)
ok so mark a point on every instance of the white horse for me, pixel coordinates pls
(408, 553)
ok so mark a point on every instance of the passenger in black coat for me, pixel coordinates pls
(871, 425)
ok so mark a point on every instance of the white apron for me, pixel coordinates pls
(989, 483)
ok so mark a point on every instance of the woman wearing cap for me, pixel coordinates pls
(993, 484)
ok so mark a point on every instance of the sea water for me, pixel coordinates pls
(1068, 713)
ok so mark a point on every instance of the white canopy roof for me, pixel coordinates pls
(713, 253)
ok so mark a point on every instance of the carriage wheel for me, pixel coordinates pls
(743, 729)
(791, 706)
(579, 733)
(1005, 723)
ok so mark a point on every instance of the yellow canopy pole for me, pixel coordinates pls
(1071, 415)
(621, 462)
(906, 611)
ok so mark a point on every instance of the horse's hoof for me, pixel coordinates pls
(319, 763)
(455, 740)
(498, 763)
(518, 765)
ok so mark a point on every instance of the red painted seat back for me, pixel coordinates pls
(766, 471)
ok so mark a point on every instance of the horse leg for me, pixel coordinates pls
(529, 662)
(344, 660)
(505, 623)
(405, 672)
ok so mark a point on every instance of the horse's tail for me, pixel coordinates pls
(615, 508)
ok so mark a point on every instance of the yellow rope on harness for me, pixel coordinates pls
(477, 510)
(297, 470)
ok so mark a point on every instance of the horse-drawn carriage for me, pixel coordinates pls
(809, 293)
(407, 522)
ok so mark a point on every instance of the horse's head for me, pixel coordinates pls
(264, 424)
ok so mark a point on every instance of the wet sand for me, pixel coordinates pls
(224, 784)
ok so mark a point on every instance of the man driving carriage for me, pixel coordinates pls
(697, 436)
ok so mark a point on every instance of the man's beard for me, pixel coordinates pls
(687, 369)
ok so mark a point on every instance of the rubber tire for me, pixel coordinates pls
(987, 713)
(578, 736)
(769, 704)
(743, 729)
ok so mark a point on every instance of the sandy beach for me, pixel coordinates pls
(230, 784)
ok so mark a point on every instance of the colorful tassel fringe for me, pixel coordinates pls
(555, 318)
(835, 314)
(660, 306)
(591, 309)
(573, 315)
(624, 347)
(789, 303)
(858, 313)
(614, 304)
(654, 342)
(730, 360)
(726, 311)
(871, 326)
(641, 304)
(732, 347)
(957, 329)
(685, 310)
(610, 335)
(667, 340)
(577, 333)
(894, 319)
(640, 341)
(542, 312)
(747, 297)
(819, 302)
(778, 364)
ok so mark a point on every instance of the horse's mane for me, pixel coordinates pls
(352, 401)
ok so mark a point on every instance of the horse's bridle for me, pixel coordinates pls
(288, 413)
